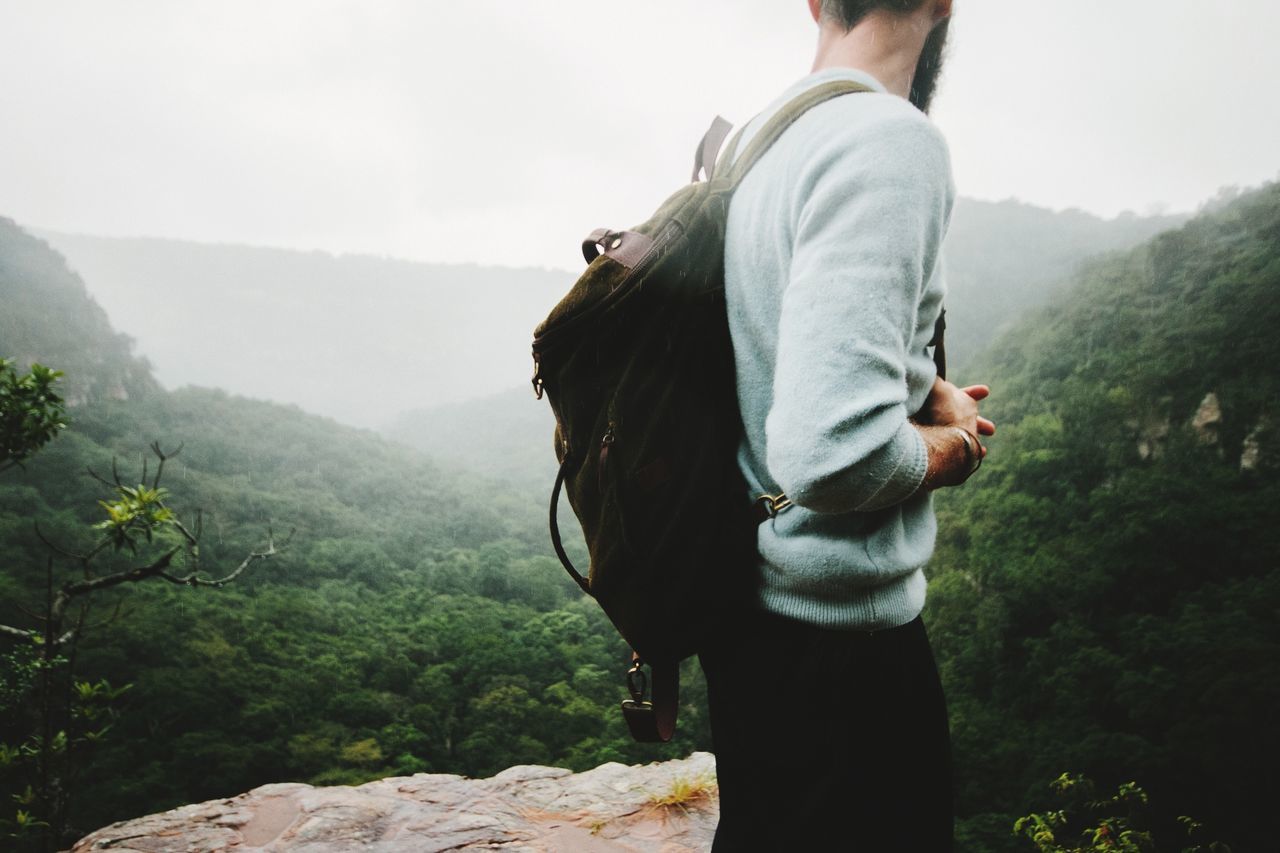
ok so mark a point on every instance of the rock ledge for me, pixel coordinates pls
(523, 808)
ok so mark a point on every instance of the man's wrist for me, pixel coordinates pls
(973, 451)
(954, 454)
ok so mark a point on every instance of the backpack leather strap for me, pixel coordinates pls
(939, 344)
(704, 159)
(555, 529)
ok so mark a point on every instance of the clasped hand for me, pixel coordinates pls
(950, 405)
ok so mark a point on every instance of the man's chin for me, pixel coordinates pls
(929, 69)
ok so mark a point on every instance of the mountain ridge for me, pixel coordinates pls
(365, 338)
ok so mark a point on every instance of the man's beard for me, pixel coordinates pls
(925, 81)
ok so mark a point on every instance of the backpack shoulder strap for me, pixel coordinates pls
(780, 121)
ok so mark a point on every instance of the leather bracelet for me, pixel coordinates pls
(972, 451)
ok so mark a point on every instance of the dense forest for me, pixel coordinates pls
(414, 622)
(1103, 599)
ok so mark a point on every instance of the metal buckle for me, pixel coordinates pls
(637, 711)
(774, 504)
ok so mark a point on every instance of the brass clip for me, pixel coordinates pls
(774, 503)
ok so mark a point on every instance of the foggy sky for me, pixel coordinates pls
(502, 132)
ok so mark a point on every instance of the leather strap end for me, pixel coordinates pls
(704, 158)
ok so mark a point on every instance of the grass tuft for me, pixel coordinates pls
(687, 793)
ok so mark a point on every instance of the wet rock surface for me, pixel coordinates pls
(669, 807)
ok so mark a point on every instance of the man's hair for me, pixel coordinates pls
(850, 12)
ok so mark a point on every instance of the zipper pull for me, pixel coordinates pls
(605, 444)
(537, 375)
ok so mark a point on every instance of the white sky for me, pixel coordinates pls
(502, 132)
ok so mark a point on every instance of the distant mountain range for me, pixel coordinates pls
(1004, 260)
(362, 339)
(355, 338)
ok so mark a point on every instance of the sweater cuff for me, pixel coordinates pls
(907, 459)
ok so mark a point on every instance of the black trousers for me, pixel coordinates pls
(828, 740)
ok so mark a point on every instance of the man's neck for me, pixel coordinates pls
(885, 45)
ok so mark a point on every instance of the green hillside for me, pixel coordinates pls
(46, 315)
(507, 436)
(415, 621)
(1005, 259)
(1104, 596)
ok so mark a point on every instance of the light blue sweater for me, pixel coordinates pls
(833, 284)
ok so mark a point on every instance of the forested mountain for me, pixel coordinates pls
(1105, 592)
(361, 338)
(1003, 260)
(505, 435)
(1006, 258)
(46, 316)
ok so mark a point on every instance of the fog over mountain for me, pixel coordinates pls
(355, 338)
(363, 339)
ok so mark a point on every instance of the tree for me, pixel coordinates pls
(1102, 825)
(31, 411)
(60, 715)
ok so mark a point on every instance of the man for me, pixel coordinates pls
(827, 714)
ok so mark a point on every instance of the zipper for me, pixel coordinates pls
(605, 443)
(622, 289)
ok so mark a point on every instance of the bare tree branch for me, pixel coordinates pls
(81, 629)
(164, 457)
(29, 614)
(71, 590)
(271, 550)
(18, 632)
(56, 549)
(193, 539)
(101, 479)
(83, 559)
(126, 576)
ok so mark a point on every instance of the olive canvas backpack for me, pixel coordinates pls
(637, 363)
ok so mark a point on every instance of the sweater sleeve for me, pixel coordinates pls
(869, 220)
